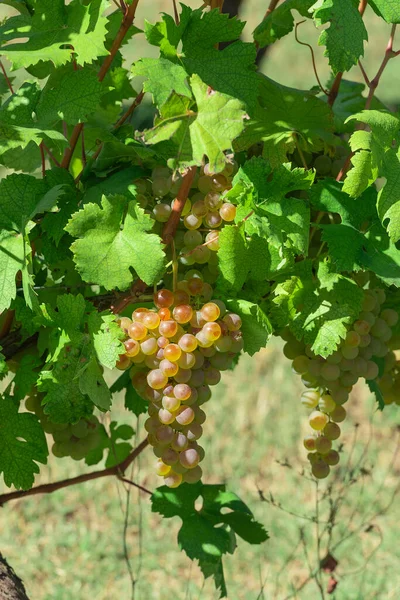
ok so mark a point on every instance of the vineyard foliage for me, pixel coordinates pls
(247, 209)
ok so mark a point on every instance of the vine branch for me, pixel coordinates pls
(48, 488)
(373, 84)
(312, 58)
(171, 225)
(123, 30)
(9, 84)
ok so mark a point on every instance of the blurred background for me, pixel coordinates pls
(101, 541)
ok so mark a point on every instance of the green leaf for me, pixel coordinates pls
(194, 133)
(282, 115)
(113, 239)
(376, 390)
(92, 383)
(162, 78)
(256, 326)
(389, 196)
(233, 262)
(12, 260)
(26, 375)
(345, 36)
(20, 194)
(229, 71)
(350, 100)
(107, 336)
(116, 183)
(133, 401)
(70, 96)
(51, 32)
(200, 535)
(280, 21)
(324, 310)
(22, 445)
(116, 451)
(387, 9)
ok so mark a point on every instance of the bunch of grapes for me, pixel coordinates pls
(175, 353)
(329, 381)
(389, 383)
(73, 440)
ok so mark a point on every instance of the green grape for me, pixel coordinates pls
(320, 470)
(390, 316)
(327, 404)
(353, 339)
(309, 442)
(323, 444)
(332, 431)
(80, 429)
(161, 186)
(348, 379)
(292, 349)
(338, 414)
(323, 165)
(192, 221)
(192, 239)
(58, 450)
(318, 420)
(362, 327)
(201, 254)
(369, 303)
(300, 364)
(335, 358)
(332, 458)
(189, 458)
(350, 352)
(330, 372)
(310, 398)
(161, 468)
(340, 395)
(372, 370)
(193, 475)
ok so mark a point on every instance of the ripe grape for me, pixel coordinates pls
(310, 398)
(332, 431)
(318, 420)
(173, 479)
(188, 342)
(163, 298)
(157, 379)
(332, 458)
(193, 475)
(323, 444)
(189, 458)
(320, 470)
(228, 212)
(182, 313)
(327, 404)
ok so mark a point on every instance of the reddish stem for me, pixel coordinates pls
(48, 488)
(130, 110)
(9, 84)
(137, 289)
(51, 155)
(176, 14)
(312, 57)
(171, 225)
(271, 7)
(8, 320)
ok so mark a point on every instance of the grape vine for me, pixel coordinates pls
(143, 256)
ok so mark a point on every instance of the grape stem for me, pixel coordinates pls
(137, 289)
(333, 92)
(48, 488)
(373, 84)
(171, 225)
(9, 84)
(123, 30)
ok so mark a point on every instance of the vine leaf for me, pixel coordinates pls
(162, 78)
(208, 534)
(283, 115)
(113, 239)
(22, 445)
(189, 133)
(387, 9)
(12, 260)
(256, 326)
(69, 96)
(344, 39)
(56, 32)
(229, 71)
(116, 450)
(280, 21)
(133, 401)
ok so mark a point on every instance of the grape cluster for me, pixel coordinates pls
(389, 383)
(73, 440)
(329, 381)
(175, 354)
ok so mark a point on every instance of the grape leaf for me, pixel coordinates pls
(370, 149)
(387, 9)
(116, 183)
(69, 96)
(162, 78)
(280, 21)
(201, 535)
(192, 133)
(229, 71)
(22, 445)
(133, 401)
(350, 100)
(324, 311)
(389, 197)
(56, 32)
(282, 115)
(12, 260)
(106, 335)
(233, 262)
(256, 326)
(91, 383)
(116, 451)
(345, 36)
(26, 375)
(113, 239)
